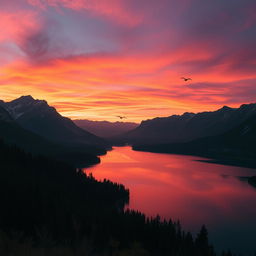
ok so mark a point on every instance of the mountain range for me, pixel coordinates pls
(38, 128)
(189, 126)
(106, 129)
(37, 116)
(234, 146)
(228, 133)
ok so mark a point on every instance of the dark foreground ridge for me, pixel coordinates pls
(49, 208)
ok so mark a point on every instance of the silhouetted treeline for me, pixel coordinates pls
(50, 208)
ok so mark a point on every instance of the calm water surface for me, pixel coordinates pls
(196, 193)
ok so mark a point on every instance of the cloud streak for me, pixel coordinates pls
(92, 59)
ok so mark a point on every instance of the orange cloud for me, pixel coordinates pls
(98, 59)
(101, 86)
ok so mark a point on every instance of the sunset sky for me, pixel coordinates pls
(95, 59)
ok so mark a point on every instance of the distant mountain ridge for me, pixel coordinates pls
(189, 126)
(40, 118)
(235, 146)
(105, 129)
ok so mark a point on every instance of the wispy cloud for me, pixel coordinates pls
(92, 58)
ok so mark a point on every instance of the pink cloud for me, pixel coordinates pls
(104, 55)
(9, 23)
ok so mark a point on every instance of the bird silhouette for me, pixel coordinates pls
(121, 117)
(186, 78)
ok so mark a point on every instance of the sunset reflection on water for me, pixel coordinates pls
(179, 187)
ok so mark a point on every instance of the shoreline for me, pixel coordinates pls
(231, 161)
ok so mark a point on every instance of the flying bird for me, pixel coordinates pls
(121, 117)
(186, 78)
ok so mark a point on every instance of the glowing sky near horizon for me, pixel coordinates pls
(96, 59)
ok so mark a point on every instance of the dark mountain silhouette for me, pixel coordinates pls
(105, 129)
(4, 115)
(189, 126)
(38, 117)
(13, 134)
(235, 146)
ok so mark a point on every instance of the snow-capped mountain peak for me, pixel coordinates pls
(24, 104)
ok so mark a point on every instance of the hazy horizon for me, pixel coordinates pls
(116, 119)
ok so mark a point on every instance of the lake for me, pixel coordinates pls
(194, 192)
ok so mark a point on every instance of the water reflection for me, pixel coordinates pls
(194, 192)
